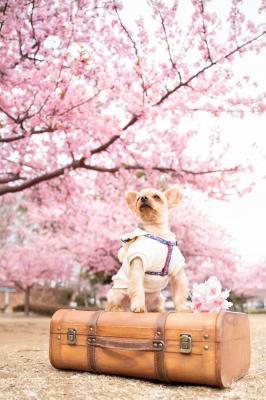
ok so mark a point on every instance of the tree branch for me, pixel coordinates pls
(76, 164)
(205, 30)
(126, 167)
(80, 163)
(79, 104)
(167, 42)
(3, 9)
(11, 177)
(33, 132)
(105, 145)
(114, 137)
(186, 83)
(139, 73)
(42, 178)
(211, 171)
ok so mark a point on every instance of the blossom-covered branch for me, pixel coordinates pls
(84, 88)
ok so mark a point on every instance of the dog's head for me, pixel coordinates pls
(152, 205)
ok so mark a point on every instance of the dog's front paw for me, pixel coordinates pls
(138, 308)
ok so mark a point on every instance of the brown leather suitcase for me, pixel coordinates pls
(204, 348)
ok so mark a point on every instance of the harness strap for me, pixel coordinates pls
(170, 246)
(163, 241)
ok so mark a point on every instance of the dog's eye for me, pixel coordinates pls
(156, 197)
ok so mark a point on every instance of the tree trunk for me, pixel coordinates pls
(85, 294)
(27, 301)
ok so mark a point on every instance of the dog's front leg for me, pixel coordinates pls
(179, 288)
(136, 286)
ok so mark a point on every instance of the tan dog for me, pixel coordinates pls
(150, 257)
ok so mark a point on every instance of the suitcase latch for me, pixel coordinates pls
(185, 343)
(71, 336)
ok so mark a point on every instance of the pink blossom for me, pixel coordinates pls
(209, 297)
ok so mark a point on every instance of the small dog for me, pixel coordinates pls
(150, 257)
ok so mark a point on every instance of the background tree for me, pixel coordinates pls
(250, 280)
(87, 234)
(95, 99)
(29, 254)
(84, 87)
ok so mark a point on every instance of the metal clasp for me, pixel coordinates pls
(92, 340)
(158, 345)
(185, 343)
(71, 336)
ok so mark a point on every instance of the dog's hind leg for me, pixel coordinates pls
(155, 302)
(117, 300)
(179, 288)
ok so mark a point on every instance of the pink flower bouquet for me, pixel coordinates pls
(209, 297)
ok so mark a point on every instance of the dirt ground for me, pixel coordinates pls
(25, 372)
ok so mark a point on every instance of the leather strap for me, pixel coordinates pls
(143, 345)
(157, 345)
(159, 366)
(92, 329)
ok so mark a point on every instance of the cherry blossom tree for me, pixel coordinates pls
(92, 102)
(207, 246)
(53, 235)
(86, 90)
(27, 265)
(89, 231)
(250, 280)
(28, 255)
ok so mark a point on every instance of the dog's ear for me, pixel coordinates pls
(130, 198)
(173, 196)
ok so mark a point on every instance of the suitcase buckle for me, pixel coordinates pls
(71, 336)
(185, 343)
(158, 345)
(92, 340)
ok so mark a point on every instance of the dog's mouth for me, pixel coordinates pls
(145, 206)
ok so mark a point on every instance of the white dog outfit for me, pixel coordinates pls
(161, 259)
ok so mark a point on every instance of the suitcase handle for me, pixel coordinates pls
(145, 345)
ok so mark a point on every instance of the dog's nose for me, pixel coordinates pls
(144, 199)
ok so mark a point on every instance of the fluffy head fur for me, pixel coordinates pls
(151, 205)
